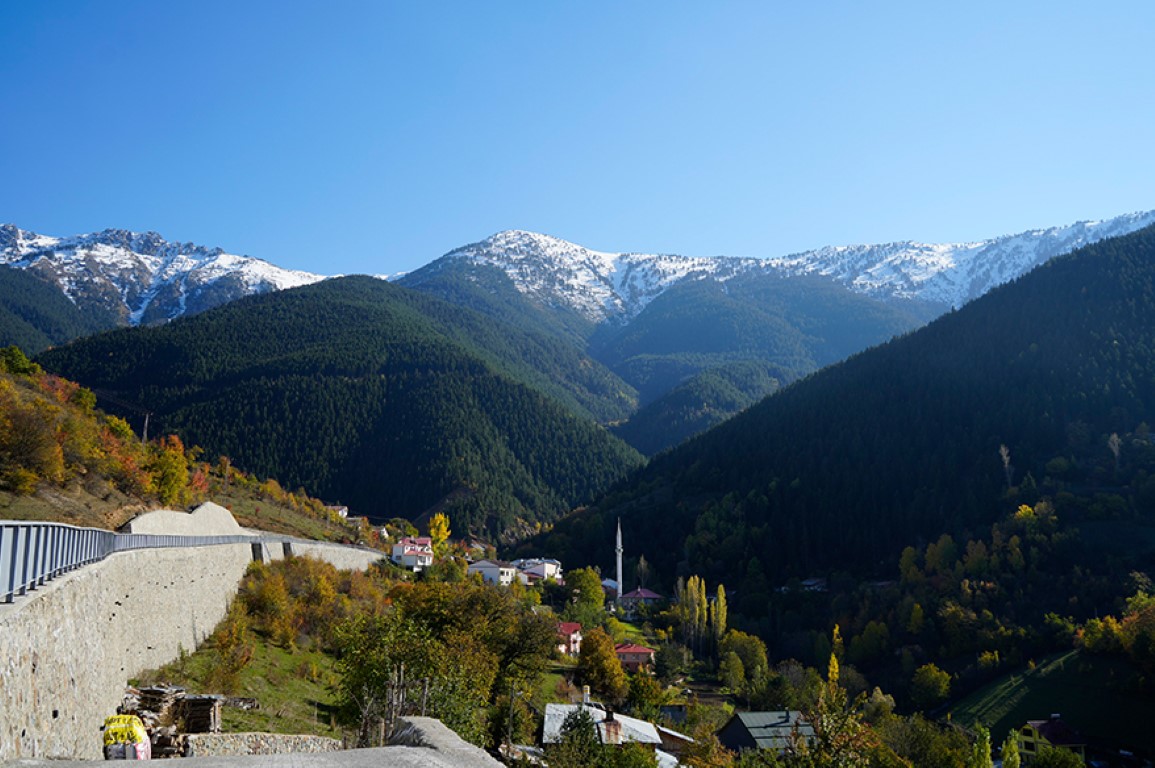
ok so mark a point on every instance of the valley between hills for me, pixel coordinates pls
(915, 506)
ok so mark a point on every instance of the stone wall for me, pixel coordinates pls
(216, 744)
(68, 649)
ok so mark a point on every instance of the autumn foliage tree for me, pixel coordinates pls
(599, 668)
(439, 531)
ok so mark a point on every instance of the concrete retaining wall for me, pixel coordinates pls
(68, 649)
(341, 557)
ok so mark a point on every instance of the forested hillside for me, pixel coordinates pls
(744, 337)
(35, 315)
(62, 460)
(1013, 398)
(699, 403)
(797, 324)
(367, 394)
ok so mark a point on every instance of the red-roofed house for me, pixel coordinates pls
(639, 597)
(634, 657)
(569, 638)
(413, 552)
(1052, 732)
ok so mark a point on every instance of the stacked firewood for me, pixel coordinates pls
(167, 742)
(152, 704)
(200, 714)
(169, 713)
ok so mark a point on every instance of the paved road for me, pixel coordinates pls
(401, 757)
(440, 748)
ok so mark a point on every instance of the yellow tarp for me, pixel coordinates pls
(124, 729)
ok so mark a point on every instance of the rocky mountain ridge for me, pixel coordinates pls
(617, 286)
(142, 278)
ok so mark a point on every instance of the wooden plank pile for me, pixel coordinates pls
(170, 713)
(167, 742)
(200, 713)
(152, 704)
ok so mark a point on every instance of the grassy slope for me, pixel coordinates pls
(295, 689)
(1094, 694)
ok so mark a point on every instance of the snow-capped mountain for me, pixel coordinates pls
(599, 286)
(142, 278)
(617, 286)
(952, 274)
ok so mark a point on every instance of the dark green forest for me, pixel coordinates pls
(367, 394)
(694, 406)
(697, 354)
(797, 324)
(35, 314)
(902, 444)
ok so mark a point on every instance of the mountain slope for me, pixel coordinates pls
(357, 390)
(602, 333)
(35, 315)
(706, 399)
(142, 278)
(615, 287)
(575, 377)
(950, 275)
(902, 443)
(796, 324)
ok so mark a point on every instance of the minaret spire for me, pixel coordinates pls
(618, 550)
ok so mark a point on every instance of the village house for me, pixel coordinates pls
(413, 552)
(533, 570)
(763, 730)
(496, 572)
(635, 657)
(610, 588)
(569, 638)
(1052, 732)
(612, 728)
(641, 596)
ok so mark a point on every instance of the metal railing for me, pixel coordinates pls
(33, 554)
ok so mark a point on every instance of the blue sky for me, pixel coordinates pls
(344, 137)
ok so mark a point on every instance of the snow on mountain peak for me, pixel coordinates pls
(613, 286)
(954, 273)
(598, 285)
(141, 276)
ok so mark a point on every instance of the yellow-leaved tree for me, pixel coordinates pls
(439, 531)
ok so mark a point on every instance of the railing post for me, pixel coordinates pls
(7, 534)
(24, 561)
(57, 556)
